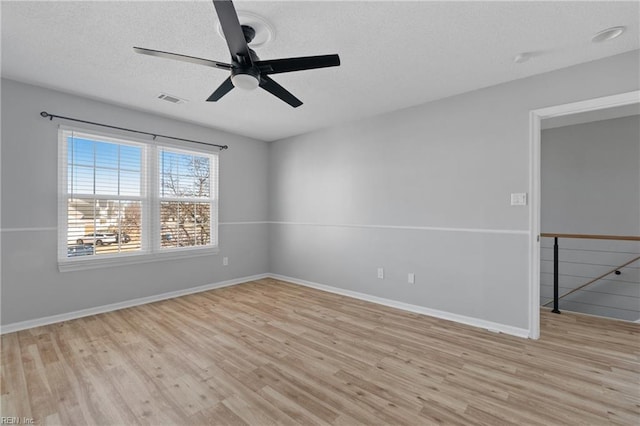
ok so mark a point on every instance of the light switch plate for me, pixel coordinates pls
(519, 199)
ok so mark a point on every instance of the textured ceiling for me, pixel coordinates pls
(394, 54)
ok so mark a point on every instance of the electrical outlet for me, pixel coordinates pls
(225, 261)
(411, 278)
(381, 273)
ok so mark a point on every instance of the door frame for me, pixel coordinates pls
(535, 117)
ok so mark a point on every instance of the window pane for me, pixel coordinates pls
(129, 183)
(80, 151)
(80, 220)
(185, 224)
(106, 181)
(130, 158)
(96, 227)
(131, 225)
(106, 155)
(81, 180)
(184, 175)
(104, 168)
(203, 223)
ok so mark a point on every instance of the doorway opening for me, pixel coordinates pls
(589, 110)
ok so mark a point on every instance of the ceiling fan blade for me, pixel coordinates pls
(232, 31)
(222, 90)
(276, 66)
(183, 58)
(275, 89)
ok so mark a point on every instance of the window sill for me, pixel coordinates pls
(97, 262)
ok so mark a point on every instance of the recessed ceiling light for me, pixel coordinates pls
(608, 34)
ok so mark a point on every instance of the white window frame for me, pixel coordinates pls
(151, 250)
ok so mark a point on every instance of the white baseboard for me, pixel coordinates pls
(475, 322)
(488, 325)
(23, 325)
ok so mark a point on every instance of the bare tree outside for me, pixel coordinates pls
(131, 218)
(185, 223)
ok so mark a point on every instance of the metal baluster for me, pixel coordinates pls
(555, 276)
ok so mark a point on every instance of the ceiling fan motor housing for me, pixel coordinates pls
(248, 32)
(245, 76)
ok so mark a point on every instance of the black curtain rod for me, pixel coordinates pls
(52, 116)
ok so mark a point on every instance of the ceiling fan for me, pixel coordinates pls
(247, 70)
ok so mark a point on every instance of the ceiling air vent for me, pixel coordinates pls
(171, 98)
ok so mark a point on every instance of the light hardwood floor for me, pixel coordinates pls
(269, 352)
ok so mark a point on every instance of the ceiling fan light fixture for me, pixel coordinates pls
(244, 81)
(608, 34)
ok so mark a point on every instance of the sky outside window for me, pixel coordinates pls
(103, 168)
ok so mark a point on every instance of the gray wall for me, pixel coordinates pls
(32, 287)
(446, 164)
(591, 178)
(422, 190)
(591, 185)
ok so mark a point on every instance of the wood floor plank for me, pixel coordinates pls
(269, 352)
(15, 395)
(219, 415)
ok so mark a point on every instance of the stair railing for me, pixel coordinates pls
(556, 261)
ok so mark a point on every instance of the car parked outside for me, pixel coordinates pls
(122, 237)
(98, 238)
(80, 250)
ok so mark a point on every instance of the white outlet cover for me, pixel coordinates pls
(411, 278)
(381, 273)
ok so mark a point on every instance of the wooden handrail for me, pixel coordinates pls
(595, 279)
(593, 237)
